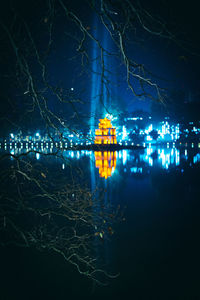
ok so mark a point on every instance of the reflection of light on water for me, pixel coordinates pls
(169, 157)
(124, 156)
(177, 152)
(165, 157)
(136, 170)
(162, 157)
(149, 151)
(132, 161)
(106, 162)
(186, 153)
(167, 160)
(196, 158)
(77, 154)
(150, 161)
(13, 153)
(172, 157)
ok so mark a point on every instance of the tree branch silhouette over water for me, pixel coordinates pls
(46, 50)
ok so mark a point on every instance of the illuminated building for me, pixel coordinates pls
(106, 134)
(106, 162)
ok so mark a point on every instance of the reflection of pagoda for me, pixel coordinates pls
(106, 134)
(106, 162)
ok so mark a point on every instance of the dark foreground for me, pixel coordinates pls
(156, 250)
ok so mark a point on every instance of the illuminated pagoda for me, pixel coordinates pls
(106, 134)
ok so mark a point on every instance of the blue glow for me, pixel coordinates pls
(186, 153)
(150, 157)
(95, 86)
(124, 133)
(133, 170)
(100, 97)
(78, 154)
(150, 161)
(120, 154)
(196, 158)
(177, 153)
(149, 151)
(149, 129)
(124, 156)
(149, 138)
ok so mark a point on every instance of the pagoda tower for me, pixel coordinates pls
(106, 134)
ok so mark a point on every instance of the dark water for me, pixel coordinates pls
(156, 249)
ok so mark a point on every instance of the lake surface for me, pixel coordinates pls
(155, 249)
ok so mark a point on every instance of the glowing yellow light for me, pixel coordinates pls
(106, 162)
(105, 134)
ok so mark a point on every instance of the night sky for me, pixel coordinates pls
(74, 71)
